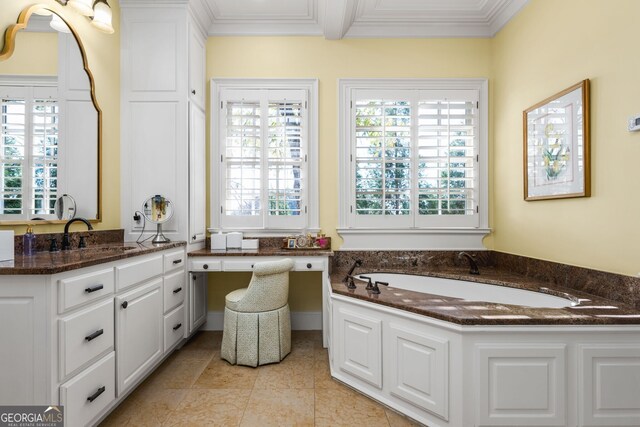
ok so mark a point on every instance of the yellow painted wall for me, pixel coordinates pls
(327, 60)
(549, 46)
(103, 54)
(28, 45)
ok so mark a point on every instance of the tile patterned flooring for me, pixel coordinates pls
(194, 387)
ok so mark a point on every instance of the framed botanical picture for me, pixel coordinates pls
(556, 146)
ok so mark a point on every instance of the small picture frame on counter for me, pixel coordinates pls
(291, 243)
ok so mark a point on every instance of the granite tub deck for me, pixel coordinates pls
(592, 310)
(45, 262)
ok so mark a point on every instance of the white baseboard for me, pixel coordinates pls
(300, 321)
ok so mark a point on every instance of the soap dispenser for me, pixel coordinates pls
(29, 242)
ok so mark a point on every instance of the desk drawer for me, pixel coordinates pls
(308, 264)
(78, 290)
(174, 327)
(196, 264)
(173, 260)
(90, 392)
(240, 265)
(138, 271)
(84, 336)
(175, 288)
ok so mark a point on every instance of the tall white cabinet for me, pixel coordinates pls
(162, 116)
(163, 125)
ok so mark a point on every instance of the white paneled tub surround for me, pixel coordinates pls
(444, 374)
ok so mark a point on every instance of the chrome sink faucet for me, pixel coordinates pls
(66, 244)
(473, 266)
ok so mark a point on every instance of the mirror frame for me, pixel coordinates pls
(7, 50)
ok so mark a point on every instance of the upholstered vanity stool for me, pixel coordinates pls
(257, 324)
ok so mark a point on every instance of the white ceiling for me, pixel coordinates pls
(335, 19)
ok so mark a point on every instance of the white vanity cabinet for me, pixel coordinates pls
(198, 300)
(139, 332)
(86, 337)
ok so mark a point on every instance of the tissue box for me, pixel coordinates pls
(218, 242)
(249, 243)
(6, 245)
(234, 240)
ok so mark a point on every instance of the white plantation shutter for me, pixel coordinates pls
(264, 138)
(29, 152)
(447, 142)
(414, 158)
(383, 123)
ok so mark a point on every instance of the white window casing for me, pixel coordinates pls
(413, 163)
(30, 159)
(264, 156)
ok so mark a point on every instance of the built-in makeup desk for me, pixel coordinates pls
(208, 261)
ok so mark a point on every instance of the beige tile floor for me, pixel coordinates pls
(194, 387)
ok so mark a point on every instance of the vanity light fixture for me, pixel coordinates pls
(103, 16)
(98, 11)
(83, 7)
(58, 24)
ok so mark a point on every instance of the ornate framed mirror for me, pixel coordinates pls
(50, 121)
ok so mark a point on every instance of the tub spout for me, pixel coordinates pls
(473, 266)
(357, 263)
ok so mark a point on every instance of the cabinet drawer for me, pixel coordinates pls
(175, 288)
(90, 392)
(203, 265)
(173, 260)
(174, 326)
(84, 336)
(308, 265)
(78, 290)
(138, 271)
(238, 265)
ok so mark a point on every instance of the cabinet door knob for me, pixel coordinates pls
(193, 91)
(206, 266)
(178, 326)
(95, 395)
(193, 237)
(94, 288)
(175, 291)
(125, 304)
(309, 265)
(96, 334)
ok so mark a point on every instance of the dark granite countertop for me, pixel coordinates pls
(57, 262)
(592, 310)
(268, 251)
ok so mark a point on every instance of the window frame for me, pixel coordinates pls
(217, 178)
(33, 85)
(408, 237)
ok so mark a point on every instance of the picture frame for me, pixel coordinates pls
(291, 243)
(557, 140)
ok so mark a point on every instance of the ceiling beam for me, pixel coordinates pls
(338, 17)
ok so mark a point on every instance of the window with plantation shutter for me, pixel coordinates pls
(413, 159)
(29, 151)
(263, 140)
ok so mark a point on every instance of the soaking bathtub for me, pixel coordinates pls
(461, 353)
(471, 291)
